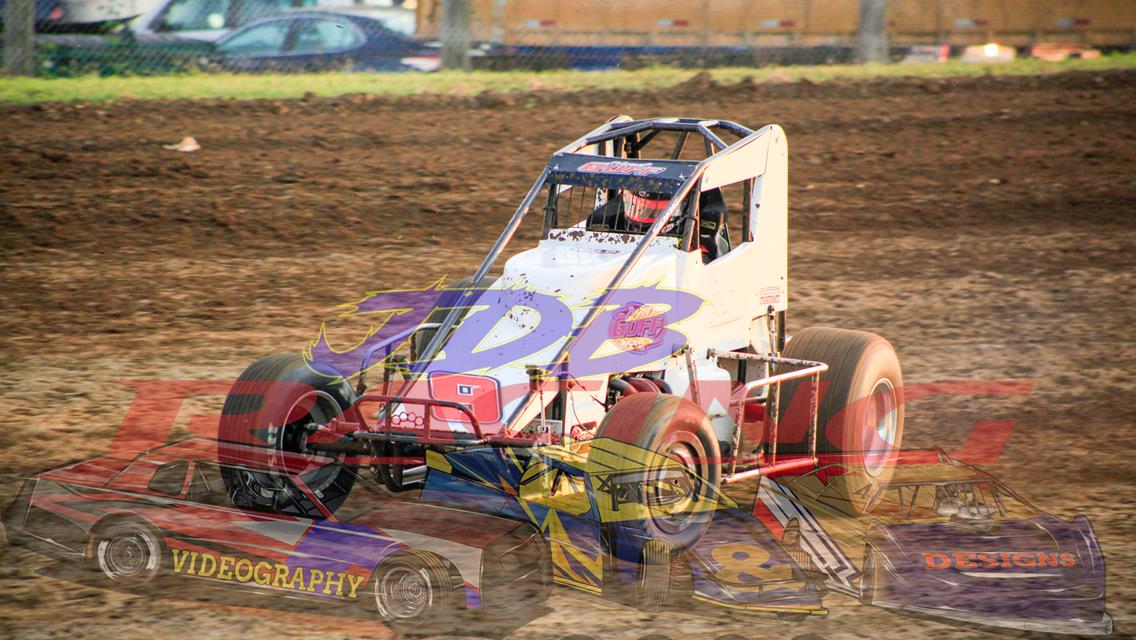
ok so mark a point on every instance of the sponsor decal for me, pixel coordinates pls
(742, 564)
(266, 574)
(465, 350)
(622, 168)
(1027, 560)
(482, 395)
(769, 295)
(636, 327)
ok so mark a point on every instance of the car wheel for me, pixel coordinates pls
(653, 582)
(670, 440)
(130, 554)
(415, 593)
(270, 407)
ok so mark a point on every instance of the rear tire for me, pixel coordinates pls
(415, 594)
(664, 431)
(860, 414)
(268, 407)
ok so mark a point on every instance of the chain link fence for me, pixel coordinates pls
(147, 37)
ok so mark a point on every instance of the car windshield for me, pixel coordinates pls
(970, 500)
(213, 15)
(617, 210)
(208, 486)
(262, 39)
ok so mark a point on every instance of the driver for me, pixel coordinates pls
(947, 501)
(632, 211)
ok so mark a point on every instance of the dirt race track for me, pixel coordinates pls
(986, 226)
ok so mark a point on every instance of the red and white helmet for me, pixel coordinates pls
(644, 207)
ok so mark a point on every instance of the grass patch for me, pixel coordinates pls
(220, 85)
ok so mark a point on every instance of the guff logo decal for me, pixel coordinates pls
(637, 327)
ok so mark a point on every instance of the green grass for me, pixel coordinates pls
(206, 85)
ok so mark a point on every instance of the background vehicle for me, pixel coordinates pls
(167, 513)
(211, 20)
(49, 14)
(945, 540)
(634, 212)
(595, 34)
(317, 41)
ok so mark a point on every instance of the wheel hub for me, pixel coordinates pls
(309, 410)
(880, 426)
(404, 593)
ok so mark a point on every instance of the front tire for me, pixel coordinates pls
(130, 554)
(671, 439)
(269, 407)
(653, 582)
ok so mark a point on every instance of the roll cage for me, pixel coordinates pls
(907, 494)
(622, 141)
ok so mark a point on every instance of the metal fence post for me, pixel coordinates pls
(455, 34)
(872, 45)
(19, 37)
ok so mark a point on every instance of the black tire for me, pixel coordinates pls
(415, 594)
(860, 413)
(653, 582)
(267, 407)
(670, 429)
(129, 553)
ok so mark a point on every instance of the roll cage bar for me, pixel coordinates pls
(627, 130)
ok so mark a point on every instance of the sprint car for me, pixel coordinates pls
(943, 539)
(607, 515)
(642, 315)
(166, 515)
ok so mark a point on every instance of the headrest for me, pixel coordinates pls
(712, 206)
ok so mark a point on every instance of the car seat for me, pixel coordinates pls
(713, 233)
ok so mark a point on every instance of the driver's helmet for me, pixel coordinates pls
(643, 207)
(947, 501)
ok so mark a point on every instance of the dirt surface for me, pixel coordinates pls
(985, 226)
